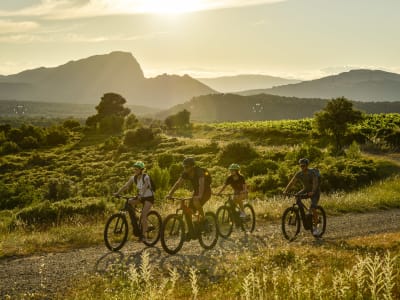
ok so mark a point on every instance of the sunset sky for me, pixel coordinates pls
(301, 39)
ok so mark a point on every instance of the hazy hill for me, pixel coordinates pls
(361, 85)
(86, 80)
(232, 107)
(229, 84)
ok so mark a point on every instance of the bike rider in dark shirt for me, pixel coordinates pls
(201, 188)
(311, 185)
(238, 184)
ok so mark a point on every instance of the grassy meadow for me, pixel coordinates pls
(57, 181)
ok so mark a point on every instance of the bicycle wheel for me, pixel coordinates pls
(249, 222)
(208, 233)
(153, 228)
(318, 229)
(172, 234)
(290, 223)
(224, 222)
(116, 232)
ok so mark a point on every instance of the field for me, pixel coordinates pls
(57, 181)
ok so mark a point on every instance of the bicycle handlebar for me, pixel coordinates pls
(180, 199)
(295, 194)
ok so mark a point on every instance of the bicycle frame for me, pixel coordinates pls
(301, 206)
(132, 215)
(231, 205)
(185, 210)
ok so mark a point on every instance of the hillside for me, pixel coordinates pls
(360, 85)
(232, 107)
(86, 80)
(229, 84)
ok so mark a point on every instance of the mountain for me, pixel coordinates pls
(233, 107)
(86, 80)
(230, 84)
(359, 85)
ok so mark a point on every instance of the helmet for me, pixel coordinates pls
(303, 161)
(188, 162)
(139, 164)
(234, 167)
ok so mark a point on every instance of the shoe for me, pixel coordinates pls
(188, 236)
(315, 232)
(243, 215)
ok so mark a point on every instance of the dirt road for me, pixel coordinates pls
(49, 274)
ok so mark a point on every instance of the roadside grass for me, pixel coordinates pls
(289, 271)
(85, 231)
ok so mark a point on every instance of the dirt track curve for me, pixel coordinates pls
(50, 274)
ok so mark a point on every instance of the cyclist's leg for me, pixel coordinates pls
(143, 218)
(238, 200)
(133, 202)
(314, 203)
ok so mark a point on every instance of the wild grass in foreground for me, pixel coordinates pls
(287, 272)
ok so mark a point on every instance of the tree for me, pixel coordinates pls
(178, 120)
(335, 119)
(110, 113)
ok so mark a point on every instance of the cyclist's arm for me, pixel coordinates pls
(223, 188)
(314, 184)
(201, 187)
(177, 184)
(126, 186)
(290, 184)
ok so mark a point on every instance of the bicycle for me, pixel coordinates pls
(116, 229)
(228, 215)
(173, 233)
(300, 213)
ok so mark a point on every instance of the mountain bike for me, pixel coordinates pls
(229, 215)
(116, 229)
(174, 234)
(300, 213)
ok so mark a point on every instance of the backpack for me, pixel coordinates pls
(207, 177)
(152, 185)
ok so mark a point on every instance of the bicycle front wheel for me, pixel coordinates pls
(116, 232)
(290, 223)
(172, 234)
(318, 228)
(224, 222)
(152, 235)
(249, 222)
(208, 233)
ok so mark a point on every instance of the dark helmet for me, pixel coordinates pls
(304, 161)
(188, 162)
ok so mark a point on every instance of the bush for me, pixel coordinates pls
(111, 124)
(9, 147)
(260, 166)
(237, 152)
(56, 136)
(139, 136)
(72, 124)
(29, 142)
(58, 189)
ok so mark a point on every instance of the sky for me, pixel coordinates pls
(302, 39)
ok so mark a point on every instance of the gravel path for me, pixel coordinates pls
(49, 274)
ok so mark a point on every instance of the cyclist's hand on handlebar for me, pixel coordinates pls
(116, 195)
(168, 197)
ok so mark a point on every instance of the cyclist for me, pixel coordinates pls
(200, 180)
(311, 185)
(145, 193)
(238, 184)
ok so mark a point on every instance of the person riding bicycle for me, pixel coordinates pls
(238, 184)
(201, 188)
(145, 192)
(311, 185)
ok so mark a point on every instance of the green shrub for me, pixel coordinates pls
(56, 136)
(237, 152)
(59, 188)
(9, 147)
(29, 142)
(72, 124)
(139, 136)
(260, 166)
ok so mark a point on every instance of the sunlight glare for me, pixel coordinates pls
(163, 6)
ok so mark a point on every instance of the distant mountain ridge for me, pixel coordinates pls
(233, 107)
(86, 80)
(230, 84)
(358, 85)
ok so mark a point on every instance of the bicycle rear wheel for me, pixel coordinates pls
(116, 232)
(208, 233)
(318, 228)
(249, 222)
(172, 234)
(224, 222)
(290, 223)
(154, 223)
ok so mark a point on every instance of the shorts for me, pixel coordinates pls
(204, 199)
(314, 198)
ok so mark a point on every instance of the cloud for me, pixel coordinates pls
(71, 9)
(7, 27)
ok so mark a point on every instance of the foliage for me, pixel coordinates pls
(178, 120)
(334, 120)
(236, 152)
(138, 136)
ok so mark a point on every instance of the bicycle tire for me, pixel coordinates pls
(290, 223)
(248, 224)
(118, 225)
(172, 234)
(154, 224)
(208, 236)
(321, 225)
(224, 221)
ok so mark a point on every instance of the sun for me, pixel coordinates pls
(163, 6)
